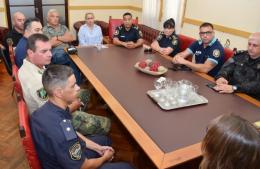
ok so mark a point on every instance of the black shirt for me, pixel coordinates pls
(172, 41)
(243, 72)
(133, 34)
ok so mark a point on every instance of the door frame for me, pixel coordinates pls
(37, 5)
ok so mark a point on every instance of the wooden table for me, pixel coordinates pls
(167, 137)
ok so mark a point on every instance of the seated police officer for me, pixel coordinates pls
(128, 34)
(57, 143)
(208, 52)
(167, 42)
(241, 73)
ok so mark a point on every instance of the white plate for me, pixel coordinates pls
(150, 72)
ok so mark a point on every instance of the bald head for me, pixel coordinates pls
(18, 21)
(254, 45)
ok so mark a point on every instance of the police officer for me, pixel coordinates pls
(58, 145)
(167, 43)
(242, 72)
(128, 34)
(208, 52)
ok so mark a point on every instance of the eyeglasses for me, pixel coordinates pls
(205, 33)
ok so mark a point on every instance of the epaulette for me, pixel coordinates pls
(120, 27)
(68, 129)
(174, 36)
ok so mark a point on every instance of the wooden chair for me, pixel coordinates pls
(113, 23)
(25, 133)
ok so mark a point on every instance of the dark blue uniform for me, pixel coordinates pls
(213, 52)
(172, 41)
(133, 34)
(57, 143)
(21, 51)
(244, 73)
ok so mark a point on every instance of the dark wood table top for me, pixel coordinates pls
(169, 131)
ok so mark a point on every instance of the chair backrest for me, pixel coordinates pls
(185, 42)
(113, 23)
(17, 85)
(228, 53)
(25, 133)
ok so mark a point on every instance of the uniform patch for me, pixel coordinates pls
(42, 94)
(75, 151)
(140, 33)
(174, 42)
(116, 32)
(216, 53)
(159, 37)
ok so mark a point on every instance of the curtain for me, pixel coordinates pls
(173, 9)
(151, 9)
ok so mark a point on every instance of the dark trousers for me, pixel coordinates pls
(105, 141)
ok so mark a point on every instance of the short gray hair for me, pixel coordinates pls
(55, 76)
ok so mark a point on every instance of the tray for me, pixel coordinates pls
(169, 102)
(150, 72)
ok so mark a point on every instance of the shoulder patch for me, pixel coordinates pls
(140, 33)
(75, 151)
(116, 32)
(42, 94)
(174, 41)
(216, 53)
(159, 37)
(68, 130)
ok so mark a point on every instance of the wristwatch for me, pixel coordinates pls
(234, 88)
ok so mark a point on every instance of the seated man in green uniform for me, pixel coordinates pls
(30, 75)
(241, 73)
(128, 34)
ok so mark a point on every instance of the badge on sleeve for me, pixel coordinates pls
(42, 94)
(216, 53)
(75, 151)
(174, 42)
(140, 33)
(159, 37)
(116, 32)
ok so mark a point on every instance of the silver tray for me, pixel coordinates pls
(168, 102)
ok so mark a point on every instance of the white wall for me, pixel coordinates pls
(3, 21)
(237, 14)
(78, 8)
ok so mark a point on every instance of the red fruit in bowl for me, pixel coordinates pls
(154, 68)
(156, 63)
(142, 64)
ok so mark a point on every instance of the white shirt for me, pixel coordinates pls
(30, 77)
(89, 36)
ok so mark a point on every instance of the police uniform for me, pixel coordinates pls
(244, 73)
(133, 34)
(213, 52)
(172, 41)
(56, 141)
(35, 96)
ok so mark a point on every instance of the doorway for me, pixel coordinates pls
(37, 8)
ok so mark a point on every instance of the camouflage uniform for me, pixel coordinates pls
(244, 73)
(35, 96)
